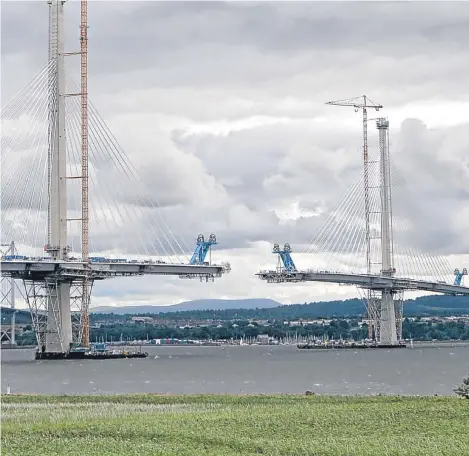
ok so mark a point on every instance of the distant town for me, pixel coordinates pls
(429, 318)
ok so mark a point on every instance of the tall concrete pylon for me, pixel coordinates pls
(388, 331)
(59, 327)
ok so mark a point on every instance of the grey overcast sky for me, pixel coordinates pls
(221, 106)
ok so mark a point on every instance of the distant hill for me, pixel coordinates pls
(199, 304)
(423, 306)
(269, 309)
(437, 305)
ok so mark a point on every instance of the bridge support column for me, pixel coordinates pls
(58, 335)
(7, 290)
(399, 311)
(49, 304)
(7, 286)
(388, 330)
(80, 297)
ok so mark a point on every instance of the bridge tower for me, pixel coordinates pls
(59, 294)
(58, 287)
(52, 297)
(347, 233)
(58, 333)
(387, 314)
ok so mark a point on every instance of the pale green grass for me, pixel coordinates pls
(234, 425)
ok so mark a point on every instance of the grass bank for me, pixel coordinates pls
(155, 425)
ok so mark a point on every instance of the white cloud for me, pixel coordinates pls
(221, 108)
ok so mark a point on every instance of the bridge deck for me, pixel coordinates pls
(364, 281)
(28, 269)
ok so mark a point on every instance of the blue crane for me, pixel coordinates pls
(285, 257)
(459, 276)
(202, 248)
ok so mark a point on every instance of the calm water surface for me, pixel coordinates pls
(243, 370)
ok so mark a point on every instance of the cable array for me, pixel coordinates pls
(124, 221)
(340, 243)
(413, 262)
(24, 181)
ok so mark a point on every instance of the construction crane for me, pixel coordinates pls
(458, 276)
(202, 248)
(285, 257)
(84, 167)
(364, 103)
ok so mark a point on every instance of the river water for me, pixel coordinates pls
(244, 370)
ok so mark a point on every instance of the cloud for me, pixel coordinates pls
(221, 109)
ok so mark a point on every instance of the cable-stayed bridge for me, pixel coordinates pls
(71, 199)
(72, 202)
(357, 246)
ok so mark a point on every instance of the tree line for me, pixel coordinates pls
(416, 330)
(424, 306)
(338, 329)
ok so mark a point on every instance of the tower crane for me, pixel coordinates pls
(363, 103)
(84, 166)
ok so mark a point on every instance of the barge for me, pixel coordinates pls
(96, 351)
(343, 346)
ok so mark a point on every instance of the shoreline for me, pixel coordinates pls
(192, 396)
(420, 343)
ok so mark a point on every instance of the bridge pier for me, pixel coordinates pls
(58, 336)
(7, 285)
(387, 320)
(49, 303)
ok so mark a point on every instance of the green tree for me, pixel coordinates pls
(463, 389)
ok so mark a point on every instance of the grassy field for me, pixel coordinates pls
(234, 425)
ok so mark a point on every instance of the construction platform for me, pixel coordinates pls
(96, 351)
(346, 346)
